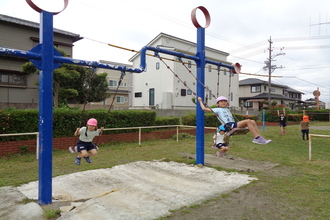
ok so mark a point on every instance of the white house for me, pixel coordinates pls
(158, 87)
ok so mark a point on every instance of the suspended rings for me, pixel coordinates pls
(206, 14)
(36, 8)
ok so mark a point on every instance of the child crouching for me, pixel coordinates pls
(219, 141)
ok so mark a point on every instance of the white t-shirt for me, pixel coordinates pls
(224, 114)
(218, 138)
(90, 134)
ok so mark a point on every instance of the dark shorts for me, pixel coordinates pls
(305, 131)
(220, 145)
(230, 126)
(85, 146)
(282, 124)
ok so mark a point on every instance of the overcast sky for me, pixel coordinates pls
(300, 29)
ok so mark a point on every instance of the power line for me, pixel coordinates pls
(312, 83)
(305, 47)
(309, 67)
(302, 38)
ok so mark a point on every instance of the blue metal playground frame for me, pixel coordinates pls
(47, 59)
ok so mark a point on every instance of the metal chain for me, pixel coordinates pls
(113, 99)
(205, 87)
(176, 75)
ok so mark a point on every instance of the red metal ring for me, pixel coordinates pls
(36, 8)
(237, 68)
(206, 14)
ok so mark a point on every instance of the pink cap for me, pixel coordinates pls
(92, 121)
(220, 98)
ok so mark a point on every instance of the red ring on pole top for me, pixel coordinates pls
(36, 8)
(206, 14)
(237, 68)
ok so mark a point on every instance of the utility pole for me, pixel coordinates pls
(271, 68)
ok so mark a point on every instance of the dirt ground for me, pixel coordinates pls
(252, 201)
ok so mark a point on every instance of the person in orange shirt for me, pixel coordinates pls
(304, 126)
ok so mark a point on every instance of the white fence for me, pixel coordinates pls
(310, 142)
(20, 134)
(112, 129)
(163, 126)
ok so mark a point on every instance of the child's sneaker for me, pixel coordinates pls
(73, 149)
(77, 161)
(214, 147)
(88, 160)
(261, 140)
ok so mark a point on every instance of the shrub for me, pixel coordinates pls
(66, 120)
(167, 121)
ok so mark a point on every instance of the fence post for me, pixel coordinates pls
(263, 119)
(37, 146)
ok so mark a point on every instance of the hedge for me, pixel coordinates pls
(66, 120)
(314, 115)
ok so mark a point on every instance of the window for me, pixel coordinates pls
(210, 68)
(123, 84)
(265, 88)
(183, 92)
(189, 64)
(247, 104)
(224, 72)
(138, 94)
(121, 99)
(7, 78)
(157, 66)
(113, 83)
(255, 89)
(189, 92)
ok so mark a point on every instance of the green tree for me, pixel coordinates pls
(73, 82)
(91, 86)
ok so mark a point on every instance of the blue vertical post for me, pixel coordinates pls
(46, 108)
(200, 93)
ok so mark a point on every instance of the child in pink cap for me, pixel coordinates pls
(228, 121)
(85, 145)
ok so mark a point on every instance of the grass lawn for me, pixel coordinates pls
(306, 187)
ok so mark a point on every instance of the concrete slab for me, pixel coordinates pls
(13, 206)
(139, 190)
(235, 163)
